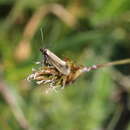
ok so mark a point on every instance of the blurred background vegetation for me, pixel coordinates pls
(89, 32)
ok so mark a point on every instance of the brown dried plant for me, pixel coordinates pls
(56, 73)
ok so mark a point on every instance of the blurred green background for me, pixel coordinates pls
(88, 32)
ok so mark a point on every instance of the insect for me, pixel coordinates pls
(58, 73)
(51, 59)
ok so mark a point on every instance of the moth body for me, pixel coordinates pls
(51, 59)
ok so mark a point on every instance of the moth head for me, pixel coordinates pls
(44, 50)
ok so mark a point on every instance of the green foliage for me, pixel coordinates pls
(101, 34)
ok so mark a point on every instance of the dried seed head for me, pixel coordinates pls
(52, 79)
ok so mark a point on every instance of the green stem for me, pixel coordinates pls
(119, 62)
(94, 67)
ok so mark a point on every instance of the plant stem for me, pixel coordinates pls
(119, 62)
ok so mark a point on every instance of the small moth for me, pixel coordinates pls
(51, 59)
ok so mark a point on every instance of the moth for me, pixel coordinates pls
(51, 59)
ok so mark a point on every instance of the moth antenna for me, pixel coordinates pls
(42, 38)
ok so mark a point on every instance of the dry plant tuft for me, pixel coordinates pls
(55, 73)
